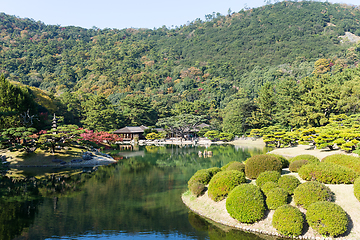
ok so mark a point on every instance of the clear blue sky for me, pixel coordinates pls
(124, 13)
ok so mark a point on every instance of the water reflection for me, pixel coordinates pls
(136, 198)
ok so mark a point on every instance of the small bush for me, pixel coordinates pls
(289, 183)
(297, 164)
(223, 182)
(261, 163)
(283, 160)
(310, 192)
(357, 188)
(308, 157)
(327, 173)
(268, 176)
(288, 220)
(234, 165)
(349, 161)
(327, 218)
(197, 188)
(212, 171)
(276, 198)
(201, 176)
(245, 203)
(266, 187)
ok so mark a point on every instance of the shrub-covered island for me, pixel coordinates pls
(287, 204)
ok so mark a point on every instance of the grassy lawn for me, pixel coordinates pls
(41, 157)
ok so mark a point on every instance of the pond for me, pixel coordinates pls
(136, 198)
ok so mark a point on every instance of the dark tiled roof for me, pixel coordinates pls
(131, 130)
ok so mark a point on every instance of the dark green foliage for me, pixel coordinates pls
(310, 192)
(357, 188)
(223, 182)
(267, 176)
(327, 173)
(327, 218)
(276, 197)
(297, 164)
(212, 171)
(261, 163)
(289, 183)
(288, 220)
(234, 165)
(308, 157)
(284, 161)
(246, 203)
(196, 188)
(266, 187)
(344, 160)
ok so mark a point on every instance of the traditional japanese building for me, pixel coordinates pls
(129, 133)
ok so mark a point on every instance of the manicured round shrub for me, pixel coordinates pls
(276, 198)
(268, 176)
(310, 192)
(234, 165)
(261, 163)
(308, 157)
(223, 182)
(344, 160)
(283, 160)
(357, 188)
(297, 164)
(288, 220)
(327, 173)
(266, 187)
(197, 188)
(202, 176)
(246, 203)
(327, 218)
(289, 183)
(212, 171)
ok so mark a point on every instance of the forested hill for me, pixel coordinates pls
(242, 49)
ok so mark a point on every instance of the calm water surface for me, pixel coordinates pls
(137, 198)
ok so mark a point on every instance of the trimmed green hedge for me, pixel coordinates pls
(297, 164)
(349, 161)
(223, 182)
(246, 203)
(310, 192)
(267, 176)
(234, 165)
(288, 220)
(357, 188)
(328, 173)
(212, 171)
(266, 187)
(289, 183)
(283, 160)
(308, 157)
(276, 198)
(197, 182)
(196, 188)
(327, 218)
(261, 163)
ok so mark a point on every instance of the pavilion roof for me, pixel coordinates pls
(139, 129)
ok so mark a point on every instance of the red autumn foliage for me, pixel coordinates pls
(100, 137)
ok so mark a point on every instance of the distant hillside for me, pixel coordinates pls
(204, 60)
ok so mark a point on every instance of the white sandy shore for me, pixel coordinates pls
(344, 193)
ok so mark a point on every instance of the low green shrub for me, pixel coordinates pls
(212, 171)
(201, 176)
(234, 165)
(261, 163)
(327, 218)
(276, 197)
(283, 160)
(245, 203)
(266, 187)
(308, 157)
(310, 192)
(267, 176)
(196, 188)
(327, 173)
(223, 182)
(288, 220)
(297, 164)
(357, 188)
(349, 161)
(289, 183)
